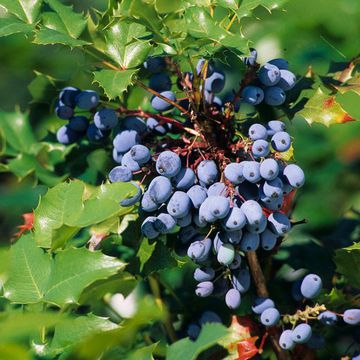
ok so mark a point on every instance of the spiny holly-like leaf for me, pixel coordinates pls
(66, 335)
(165, 6)
(12, 25)
(29, 272)
(26, 10)
(70, 206)
(46, 36)
(73, 22)
(247, 6)
(201, 25)
(353, 84)
(324, 109)
(347, 260)
(114, 83)
(211, 334)
(123, 44)
(36, 277)
(75, 269)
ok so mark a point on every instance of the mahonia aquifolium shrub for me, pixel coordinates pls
(223, 193)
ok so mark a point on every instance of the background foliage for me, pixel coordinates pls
(32, 73)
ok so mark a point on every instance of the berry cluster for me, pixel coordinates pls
(223, 194)
(272, 82)
(72, 99)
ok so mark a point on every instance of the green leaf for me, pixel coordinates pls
(165, 6)
(123, 44)
(73, 22)
(68, 334)
(211, 334)
(93, 346)
(247, 6)
(160, 259)
(75, 269)
(324, 109)
(25, 10)
(12, 25)
(14, 352)
(15, 128)
(122, 283)
(114, 83)
(28, 273)
(47, 36)
(145, 353)
(229, 4)
(42, 88)
(347, 260)
(73, 205)
(201, 25)
(145, 251)
(35, 277)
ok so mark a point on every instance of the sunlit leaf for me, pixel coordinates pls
(26, 10)
(12, 25)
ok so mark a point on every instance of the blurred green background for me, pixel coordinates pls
(307, 33)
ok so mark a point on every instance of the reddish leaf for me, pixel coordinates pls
(287, 203)
(28, 224)
(247, 349)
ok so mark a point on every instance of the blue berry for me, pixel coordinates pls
(207, 172)
(161, 105)
(233, 299)
(155, 64)
(160, 189)
(327, 318)
(301, 334)
(129, 162)
(226, 254)
(140, 154)
(234, 173)
(252, 211)
(257, 132)
(209, 317)
(87, 99)
(134, 199)
(68, 94)
(219, 206)
(280, 63)
(216, 189)
(120, 174)
(148, 228)
(204, 289)
(125, 140)
(281, 141)
(268, 239)
(252, 95)
(235, 220)
(251, 59)
(273, 188)
(261, 304)
(215, 83)
(154, 126)
(179, 204)
(160, 82)
(168, 164)
(63, 111)
(249, 242)
(79, 123)
(269, 74)
(234, 237)
(117, 156)
(134, 123)
(311, 286)
(352, 316)
(193, 331)
(94, 134)
(279, 223)
(251, 171)
(185, 221)
(197, 195)
(285, 340)
(105, 119)
(241, 280)
(270, 317)
(274, 96)
(269, 169)
(166, 223)
(294, 175)
(185, 179)
(65, 135)
(204, 274)
(260, 148)
(275, 126)
(287, 80)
